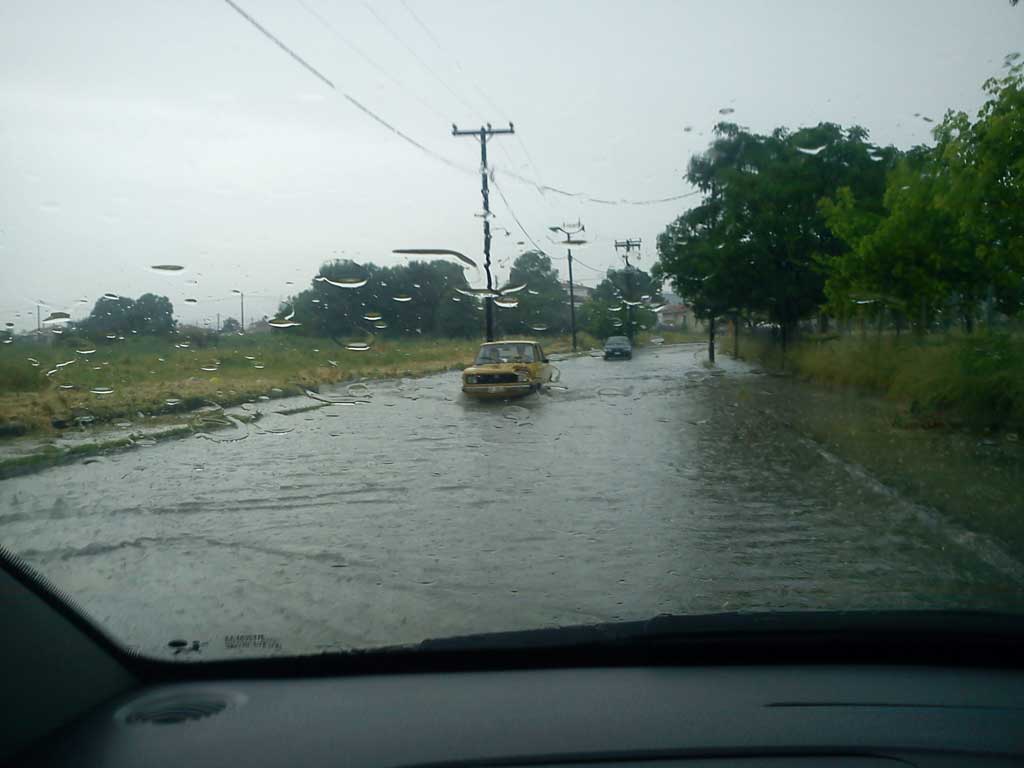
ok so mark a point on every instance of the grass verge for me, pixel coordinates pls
(43, 388)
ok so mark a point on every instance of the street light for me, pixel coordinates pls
(570, 241)
(241, 297)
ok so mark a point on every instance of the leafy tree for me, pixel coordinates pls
(149, 315)
(984, 162)
(231, 325)
(621, 304)
(543, 305)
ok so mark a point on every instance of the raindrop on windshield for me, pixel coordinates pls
(191, 301)
(506, 303)
(345, 282)
(33, 362)
(101, 390)
(811, 150)
(209, 368)
(167, 267)
(538, 328)
(172, 401)
(372, 316)
(402, 298)
(282, 323)
(380, 326)
(357, 346)
(110, 296)
(726, 111)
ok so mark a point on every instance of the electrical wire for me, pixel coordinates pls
(369, 60)
(515, 218)
(416, 56)
(427, 150)
(352, 100)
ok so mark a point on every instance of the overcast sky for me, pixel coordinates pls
(144, 132)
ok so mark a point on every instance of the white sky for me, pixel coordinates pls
(142, 132)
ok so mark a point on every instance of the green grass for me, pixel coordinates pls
(149, 375)
(975, 381)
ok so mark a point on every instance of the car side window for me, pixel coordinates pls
(540, 354)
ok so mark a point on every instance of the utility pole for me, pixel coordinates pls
(485, 133)
(218, 322)
(39, 322)
(628, 245)
(570, 241)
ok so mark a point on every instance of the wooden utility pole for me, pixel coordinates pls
(628, 245)
(482, 135)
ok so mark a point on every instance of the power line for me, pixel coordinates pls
(515, 218)
(427, 150)
(416, 56)
(365, 110)
(373, 63)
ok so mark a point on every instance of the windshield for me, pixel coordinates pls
(262, 262)
(505, 353)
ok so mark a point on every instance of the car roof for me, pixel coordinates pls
(507, 341)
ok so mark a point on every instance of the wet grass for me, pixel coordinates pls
(165, 377)
(974, 381)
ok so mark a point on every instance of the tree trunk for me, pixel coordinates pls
(711, 339)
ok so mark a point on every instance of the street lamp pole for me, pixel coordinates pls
(570, 241)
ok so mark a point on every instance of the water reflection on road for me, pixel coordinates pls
(647, 486)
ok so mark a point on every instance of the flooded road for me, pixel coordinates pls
(647, 486)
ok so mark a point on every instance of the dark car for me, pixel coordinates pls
(618, 346)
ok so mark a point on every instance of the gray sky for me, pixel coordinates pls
(141, 132)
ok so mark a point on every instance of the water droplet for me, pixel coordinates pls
(402, 298)
(617, 323)
(533, 292)
(110, 296)
(191, 301)
(811, 150)
(101, 390)
(209, 368)
(358, 389)
(282, 323)
(687, 128)
(345, 282)
(456, 298)
(726, 111)
(172, 401)
(372, 316)
(57, 317)
(657, 340)
(380, 326)
(357, 346)
(167, 267)
(538, 328)
(615, 309)
(182, 345)
(33, 362)
(259, 366)
(66, 386)
(415, 285)
(506, 303)
(512, 289)
(112, 336)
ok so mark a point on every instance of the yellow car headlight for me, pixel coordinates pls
(470, 379)
(522, 376)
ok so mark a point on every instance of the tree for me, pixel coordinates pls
(758, 241)
(621, 304)
(543, 305)
(351, 299)
(231, 325)
(149, 315)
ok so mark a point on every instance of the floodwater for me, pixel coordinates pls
(640, 487)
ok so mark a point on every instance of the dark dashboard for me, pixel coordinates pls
(747, 716)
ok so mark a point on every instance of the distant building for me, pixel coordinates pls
(678, 316)
(581, 293)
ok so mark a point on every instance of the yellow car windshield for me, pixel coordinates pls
(505, 353)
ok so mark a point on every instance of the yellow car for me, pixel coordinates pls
(505, 369)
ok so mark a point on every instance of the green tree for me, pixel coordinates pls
(231, 325)
(621, 304)
(148, 315)
(543, 305)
